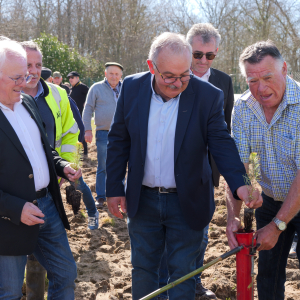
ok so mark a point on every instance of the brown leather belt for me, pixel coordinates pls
(161, 190)
(41, 193)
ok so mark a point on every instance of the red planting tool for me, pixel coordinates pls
(245, 265)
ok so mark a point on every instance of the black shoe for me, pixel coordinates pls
(201, 291)
(99, 203)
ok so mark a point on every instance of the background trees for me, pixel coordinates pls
(97, 31)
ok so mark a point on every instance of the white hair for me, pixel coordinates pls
(9, 47)
(172, 41)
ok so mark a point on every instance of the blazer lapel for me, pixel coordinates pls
(184, 113)
(213, 78)
(144, 99)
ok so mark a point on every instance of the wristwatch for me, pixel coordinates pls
(280, 224)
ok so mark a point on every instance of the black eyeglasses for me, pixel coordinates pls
(184, 78)
(19, 80)
(208, 55)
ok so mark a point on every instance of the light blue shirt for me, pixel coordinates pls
(159, 164)
(40, 91)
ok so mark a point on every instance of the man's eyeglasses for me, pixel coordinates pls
(71, 77)
(173, 79)
(199, 55)
(19, 80)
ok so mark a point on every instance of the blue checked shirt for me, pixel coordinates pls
(277, 144)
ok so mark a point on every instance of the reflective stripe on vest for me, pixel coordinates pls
(58, 143)
(55, 94)
(68, 148)
(73, 129)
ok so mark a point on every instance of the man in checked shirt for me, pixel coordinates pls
(266, 120)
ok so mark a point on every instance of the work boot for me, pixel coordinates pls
(201, 291)
(35, 279)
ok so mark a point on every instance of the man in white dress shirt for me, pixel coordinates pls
(161, 130)
(32, 216)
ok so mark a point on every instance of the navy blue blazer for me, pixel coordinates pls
(200, 126)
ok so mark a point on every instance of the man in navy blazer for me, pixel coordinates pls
(162, 129)
(32, 215)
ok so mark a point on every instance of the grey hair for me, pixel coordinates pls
(206, 31)
(168, 40)
(112, 66)
(31, 45)
(9, 47)
(255, 53)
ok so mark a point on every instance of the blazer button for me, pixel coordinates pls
(30, 176)
(34, 201)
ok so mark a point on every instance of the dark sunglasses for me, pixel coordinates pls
(71, 77)
(199, 55)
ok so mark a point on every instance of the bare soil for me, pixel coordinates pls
(103, 255)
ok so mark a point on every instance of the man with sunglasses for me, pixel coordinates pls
(161, 131)
(78, 93)
(205, 40)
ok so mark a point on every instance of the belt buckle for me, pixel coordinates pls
(162, 190)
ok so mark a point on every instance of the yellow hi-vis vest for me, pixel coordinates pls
(66, 128)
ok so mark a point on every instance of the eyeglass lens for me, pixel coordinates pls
(173, 79)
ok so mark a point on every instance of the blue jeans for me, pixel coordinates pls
(101, 142)
(272, 263)
(159, 223)
(87, 197)
(54, 254)
(163, 270)
(200, 258)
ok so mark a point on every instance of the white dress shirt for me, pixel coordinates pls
(30, 138)
(205, 77)
(159, 164)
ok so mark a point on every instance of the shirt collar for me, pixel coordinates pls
(117, 87)
(292, 91)
(205, 77)
(157, 95)
(40, 90)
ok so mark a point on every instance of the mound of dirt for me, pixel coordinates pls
(103, 255)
